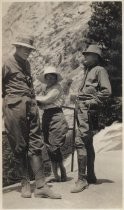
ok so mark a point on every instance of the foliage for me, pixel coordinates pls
(110, 112)
(105, 28)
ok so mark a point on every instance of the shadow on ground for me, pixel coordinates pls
(101, 181)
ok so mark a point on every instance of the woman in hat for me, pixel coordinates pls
(54, 124)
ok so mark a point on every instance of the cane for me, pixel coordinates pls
(73, 141)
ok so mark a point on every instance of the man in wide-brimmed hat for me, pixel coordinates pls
(22, 119)
(94, 90)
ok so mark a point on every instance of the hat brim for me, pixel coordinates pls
(42, 79)
(24, 45)
(84, 53)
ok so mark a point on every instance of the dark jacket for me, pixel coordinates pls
(16, 79)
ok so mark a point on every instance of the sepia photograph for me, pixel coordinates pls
(62, 105)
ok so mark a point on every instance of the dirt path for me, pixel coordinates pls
(108, 194)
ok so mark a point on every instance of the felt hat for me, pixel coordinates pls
(26, 41)
(93, 49)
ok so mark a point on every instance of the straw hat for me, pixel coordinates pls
(49, 70)
(26, 41)
(93, 49)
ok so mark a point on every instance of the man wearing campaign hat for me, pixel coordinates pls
(94, 90)
(22, 119)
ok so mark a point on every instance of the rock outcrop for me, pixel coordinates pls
(59, 29)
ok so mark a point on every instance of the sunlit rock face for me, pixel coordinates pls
(58, 29)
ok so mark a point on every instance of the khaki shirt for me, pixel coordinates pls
(16, 78)
(97, 86)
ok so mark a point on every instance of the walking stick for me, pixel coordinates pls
(73, 142)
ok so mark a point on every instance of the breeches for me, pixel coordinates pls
(54, 128)
(84, 139)
(84, 134)
(22, 125)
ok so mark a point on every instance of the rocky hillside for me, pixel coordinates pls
(58, 28)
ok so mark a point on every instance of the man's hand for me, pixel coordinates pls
(90, 103)
(39, 103)
(87, 103)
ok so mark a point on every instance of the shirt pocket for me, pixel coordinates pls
(13, 100)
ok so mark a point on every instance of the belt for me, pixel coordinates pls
(53, 109)
(83, 98)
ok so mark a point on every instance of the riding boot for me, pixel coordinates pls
(54, 177)
(63, 172)
(54, 157)
(46, 192)
(91, 177)
(59, 159)
(26, 189)
(16, 172)
(81, 183)
(25, 182)
(42, 189)
(38, 170)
